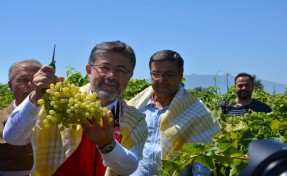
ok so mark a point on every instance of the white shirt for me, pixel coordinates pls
(18, 131)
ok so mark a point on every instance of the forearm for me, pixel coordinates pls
(121, 160)
(18, 128)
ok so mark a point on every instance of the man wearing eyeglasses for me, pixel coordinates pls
(17, 160)
(173, 115)
(114, 148)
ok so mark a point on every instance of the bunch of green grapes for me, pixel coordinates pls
(65, 105)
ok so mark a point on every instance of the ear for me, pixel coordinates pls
(10, 85)
(88, 69)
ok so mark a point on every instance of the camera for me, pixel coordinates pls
(266, 158)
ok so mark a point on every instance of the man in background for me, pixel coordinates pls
(244, 86)
(174, 117)
(17, 160)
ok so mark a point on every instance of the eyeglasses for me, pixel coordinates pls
(23, 81)
(157, 75)
(105, 70)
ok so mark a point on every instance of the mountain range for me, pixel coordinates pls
(198, 80)
(204, 81)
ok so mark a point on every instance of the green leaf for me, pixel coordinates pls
(6, 96)
(224, 160)
(194, 148)
(206, 161)
(170, 168)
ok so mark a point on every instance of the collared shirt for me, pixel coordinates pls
(151, 162)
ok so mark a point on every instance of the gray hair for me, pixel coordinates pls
(31, 62)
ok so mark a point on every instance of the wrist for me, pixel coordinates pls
(108, 147)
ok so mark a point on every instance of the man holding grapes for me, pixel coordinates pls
(112, 147)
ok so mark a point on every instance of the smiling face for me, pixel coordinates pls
(244, 87)
(165, 78)
(109, 75)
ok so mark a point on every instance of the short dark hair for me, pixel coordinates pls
(32, 63)
(113, 46)
(243, 74)
(167, 55)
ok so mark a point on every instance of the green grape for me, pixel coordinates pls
(49, 91)
(66, 106)
(72, 108)
(93, 109)
(56, 94)
(62, 100)
(52, 112)
(76, 106)
(41, 102)
(53, 103)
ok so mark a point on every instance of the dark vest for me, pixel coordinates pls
(13, 158)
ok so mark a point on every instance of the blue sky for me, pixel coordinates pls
(226, 36)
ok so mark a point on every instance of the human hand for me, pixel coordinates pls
(42, 80)
(100, 134)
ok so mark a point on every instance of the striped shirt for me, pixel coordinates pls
(255, 105)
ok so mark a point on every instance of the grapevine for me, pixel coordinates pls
(227, 153)
(66, 105)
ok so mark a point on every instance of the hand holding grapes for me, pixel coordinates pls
(42, 80)
(67, 106)
(100, 134)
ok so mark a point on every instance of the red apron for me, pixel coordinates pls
(86, 160)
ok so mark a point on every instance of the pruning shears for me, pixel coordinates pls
(53, 62)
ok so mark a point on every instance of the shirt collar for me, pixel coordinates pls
(113, 105)
(14, 104)
(151, 102)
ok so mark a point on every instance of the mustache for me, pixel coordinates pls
(109, 81)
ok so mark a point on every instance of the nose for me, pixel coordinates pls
(29, 87)
(30, 83)
(163, 76)
(112, 73)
